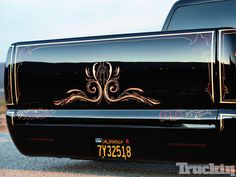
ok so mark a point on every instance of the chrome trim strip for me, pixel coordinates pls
(164, 115)
(11, 113)
(112, 39)
(200, 126)
(222, 117)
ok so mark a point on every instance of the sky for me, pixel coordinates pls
(26, 20)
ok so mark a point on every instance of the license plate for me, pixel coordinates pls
(113, 148)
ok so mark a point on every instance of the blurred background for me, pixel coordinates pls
(2, 102)
(26, 20)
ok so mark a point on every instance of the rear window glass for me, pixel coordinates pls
(205, 15)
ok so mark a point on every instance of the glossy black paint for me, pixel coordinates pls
(174, 68)
(38, 91)
(188, 124)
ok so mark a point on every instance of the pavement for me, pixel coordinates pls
(3, 124)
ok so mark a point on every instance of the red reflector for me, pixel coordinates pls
(187, 145)
(42, 139)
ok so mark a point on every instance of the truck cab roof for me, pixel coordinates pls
(186, 2)
(193, 12)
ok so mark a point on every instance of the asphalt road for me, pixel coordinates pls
(12, 163)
